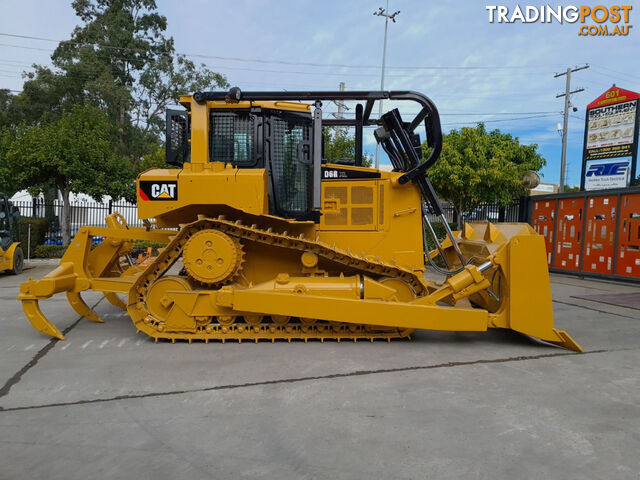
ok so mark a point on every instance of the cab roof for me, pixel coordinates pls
(187, 100)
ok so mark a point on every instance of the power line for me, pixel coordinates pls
(86, 76)
(27, 48)
(515, 119)
(485, 121)
(279, 62)
(487, 113)
(635, 77)
(357, 75)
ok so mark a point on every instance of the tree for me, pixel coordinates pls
(339, 144)
(119, 60)
(7, 185)
(479, 166)
(75, 153)
(5, 102)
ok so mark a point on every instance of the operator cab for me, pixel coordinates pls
(9, 217)
(275, 136)
(282, 132)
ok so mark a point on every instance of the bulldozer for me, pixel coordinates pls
(263, 240)
(11, 255)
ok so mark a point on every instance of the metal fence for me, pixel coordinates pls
(93, 213)
(82, 213)
(516, 212)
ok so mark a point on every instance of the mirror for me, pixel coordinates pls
(530, 179)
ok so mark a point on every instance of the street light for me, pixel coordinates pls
(382, 12)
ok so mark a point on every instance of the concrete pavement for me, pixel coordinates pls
(108, 403)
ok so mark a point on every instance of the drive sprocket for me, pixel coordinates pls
(212, 257)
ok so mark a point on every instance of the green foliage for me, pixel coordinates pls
(49, 251)
(479, 166)
(119, 60)
(39, 227)
(441, 233)
(339, 144)
(7, 185)
(75, 153)
(568, 189)
(5, 104)
(141, 246)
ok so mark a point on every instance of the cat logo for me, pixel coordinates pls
(150, 190)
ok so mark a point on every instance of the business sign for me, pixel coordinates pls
(610, 173)
(611, 132)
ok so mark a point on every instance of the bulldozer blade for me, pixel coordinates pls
(520, 284)
(81, 308)
(39, 321)
(114, 299)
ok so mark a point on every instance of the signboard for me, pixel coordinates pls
(545, 188)
(610, 173)
(611, 140)
(610, 130)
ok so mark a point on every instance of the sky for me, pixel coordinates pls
(474, 70)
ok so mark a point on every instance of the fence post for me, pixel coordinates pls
(523, 209)
(110, 206)
(33, 207)
(502, 211)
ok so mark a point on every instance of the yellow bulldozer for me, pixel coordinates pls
(11, 255)
(264, 240)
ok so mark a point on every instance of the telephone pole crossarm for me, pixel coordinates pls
(570, 93)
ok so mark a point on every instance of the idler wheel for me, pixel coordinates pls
(159, 301)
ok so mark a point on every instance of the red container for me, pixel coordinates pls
(629, 236)
(569, 234)
(600, 234)
(543, 223)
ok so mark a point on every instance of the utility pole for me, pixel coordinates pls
(567, 103)
(341, 103)
(340, 114)
(382, 12)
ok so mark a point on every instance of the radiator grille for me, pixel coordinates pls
(339, 193)
(362, 215)
(362, 195)
(338, 218)
(381, 206)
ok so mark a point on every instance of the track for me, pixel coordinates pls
(279, 328)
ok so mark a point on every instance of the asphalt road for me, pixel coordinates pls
(108, 403)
